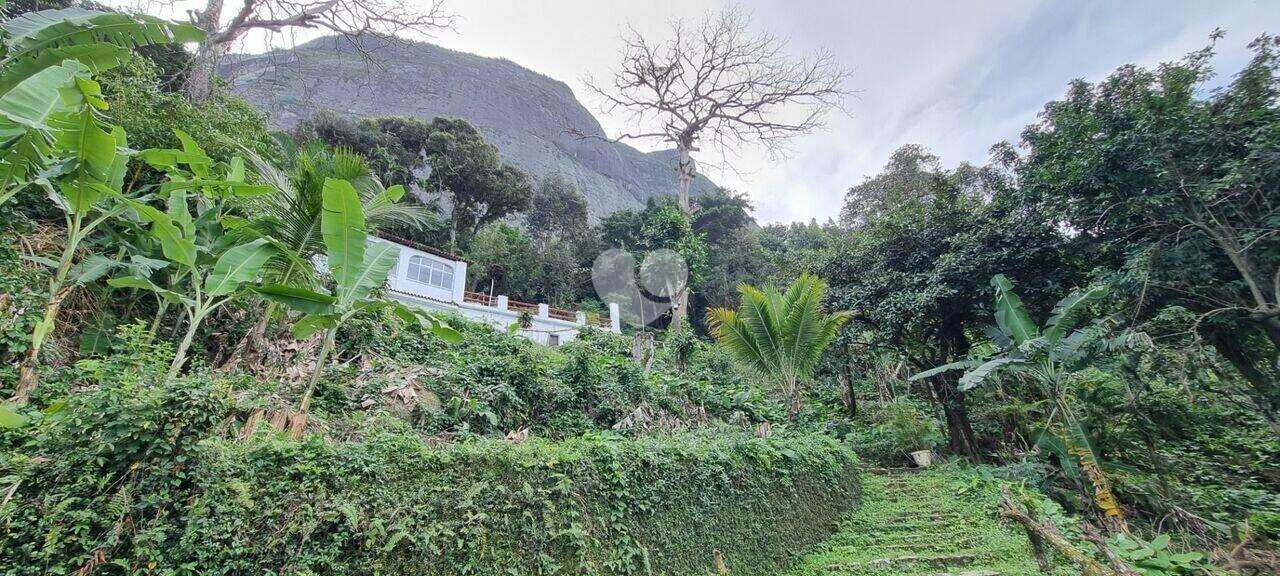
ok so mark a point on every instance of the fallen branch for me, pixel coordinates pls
(1047, 532)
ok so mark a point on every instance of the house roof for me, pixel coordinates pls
(421, 247)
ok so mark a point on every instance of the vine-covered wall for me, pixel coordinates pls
(658, 505)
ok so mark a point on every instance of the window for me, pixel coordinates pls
(426, 271)
(553, 340)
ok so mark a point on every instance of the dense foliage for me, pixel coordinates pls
(150, 475)
(1091, 316)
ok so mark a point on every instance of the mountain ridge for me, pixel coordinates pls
(527, 115)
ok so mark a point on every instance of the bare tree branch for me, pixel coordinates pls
(720, 83)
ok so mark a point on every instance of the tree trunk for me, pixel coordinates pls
(249, 350)
(28, 376)
(28, 370)
(849, 396)
(960, 437)
(1048, 533)
(685, 169)
(297, 423)
(1266, 391)
(180, 355)
(954, 345)
(199, 83)
(680, 308)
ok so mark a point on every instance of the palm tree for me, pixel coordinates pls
(291, 215)
(779, 335)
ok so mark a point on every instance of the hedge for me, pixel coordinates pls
(389, 505)
(139, 477)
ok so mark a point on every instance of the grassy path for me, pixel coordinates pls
(918, 524)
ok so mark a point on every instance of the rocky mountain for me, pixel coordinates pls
(528, 116)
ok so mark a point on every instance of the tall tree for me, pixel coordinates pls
(466, 169)
(734, 253)
(1175, 185)
(355, 20)
(558, 210)
(722, 83)
(503, 259)
(915, 269)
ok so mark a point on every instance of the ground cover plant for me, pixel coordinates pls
(204, 371)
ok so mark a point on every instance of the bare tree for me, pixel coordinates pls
(721, 83)
(353, 19)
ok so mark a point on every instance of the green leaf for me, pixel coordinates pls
(81, 195)
(343, 228)
(10, 418)
(300, 299)
(91, 269)
(973, 378)
(144, 266)
(33, 33)
(145, 284)
(1053, 444)
(961, 365)
(96, 338)
(312, 323)
(379, 261)
(447, 333)
(1011, 315)
(238, 265)
(1067, 312)
(1160, 542)
(173, 243)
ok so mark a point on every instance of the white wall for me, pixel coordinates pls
(399, 280)
(543, 329)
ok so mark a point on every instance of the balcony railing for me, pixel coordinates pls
(517, 306)
(479, 298)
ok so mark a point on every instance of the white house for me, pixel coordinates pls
(436, 280)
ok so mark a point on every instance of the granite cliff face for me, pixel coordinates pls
(528, 116)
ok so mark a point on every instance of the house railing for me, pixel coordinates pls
(517, 306)
(479, 298)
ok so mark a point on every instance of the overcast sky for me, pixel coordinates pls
(954, 76)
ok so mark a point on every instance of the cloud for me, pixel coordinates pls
(956, 77)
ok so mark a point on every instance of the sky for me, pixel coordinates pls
(956, 77)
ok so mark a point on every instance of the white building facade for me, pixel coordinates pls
(437, 281)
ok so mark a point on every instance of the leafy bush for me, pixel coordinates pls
(21, 302)
(150, 114)
(493, 383)
(134, 473)
(895, 429)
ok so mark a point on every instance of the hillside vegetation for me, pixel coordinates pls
(206, 375)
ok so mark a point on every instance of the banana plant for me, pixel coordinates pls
(358, 268)
(214, 274)
(47, 93)
(1047, 356)
(208, 267)
(84, 189)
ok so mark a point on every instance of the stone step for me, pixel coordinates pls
(937, 561)
(901, 539)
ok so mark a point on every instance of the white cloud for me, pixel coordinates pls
(956, 77)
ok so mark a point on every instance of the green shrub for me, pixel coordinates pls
(139, 475)
(895, 429)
